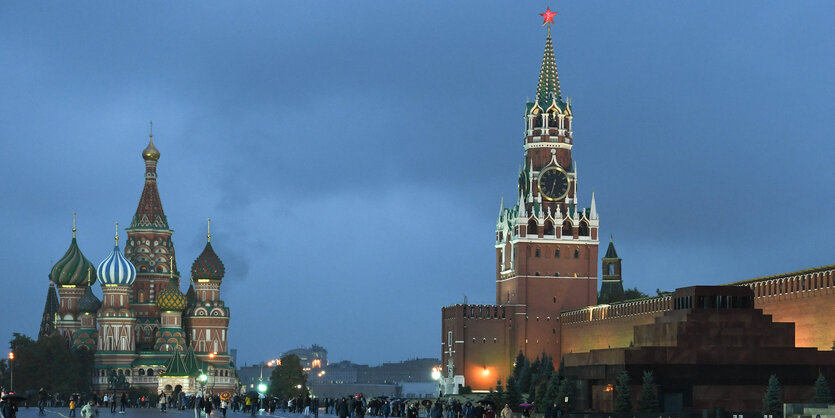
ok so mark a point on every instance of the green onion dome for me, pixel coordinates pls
(73, 268)
(89, 303)
(208, 265)
(171, 298)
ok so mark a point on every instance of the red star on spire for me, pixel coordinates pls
(548, 16)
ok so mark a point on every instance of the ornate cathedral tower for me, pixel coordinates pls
(150, 249)
(50, 312)
(208, 319)
(546, 244)
(171, 303)
(70, 275)
(88, 306)
(115, 318)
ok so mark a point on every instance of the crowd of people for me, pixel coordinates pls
(356, 406)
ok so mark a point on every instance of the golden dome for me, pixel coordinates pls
(150, 152)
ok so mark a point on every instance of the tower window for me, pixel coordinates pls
(557, 253)
(537, 252)
(584, 229)
(532, 227)
(567, 229)
(576, 253)
(549, 228)
(611, 269)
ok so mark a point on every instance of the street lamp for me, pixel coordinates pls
(436, 373)
(262, 388)
(11, 371)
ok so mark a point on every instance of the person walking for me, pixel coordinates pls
(386, 409)
(72, 405)
(207, 407)
(342, 408)
(223, 406)
(162, 401)
(506, 411)
(90, 410)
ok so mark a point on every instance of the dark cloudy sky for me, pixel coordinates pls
(352, 154)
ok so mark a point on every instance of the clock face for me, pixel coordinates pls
(553, 183)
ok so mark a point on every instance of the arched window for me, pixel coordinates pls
(567, 228)
(557, 253)
(549, 227)
(533, 229)
(141, 372)
(576, 253)
(584, 228)
(567, 124)
(537, 252)
(150, 372)
(611, 269)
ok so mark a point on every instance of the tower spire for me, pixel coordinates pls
(209, 230)
(548, 89)
(73, 225)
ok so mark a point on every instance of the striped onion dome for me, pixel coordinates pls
(89, 303)
(208, 265)
(115, 269)
(72, 268)
(171, 298)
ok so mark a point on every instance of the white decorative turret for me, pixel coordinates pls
(593, 211)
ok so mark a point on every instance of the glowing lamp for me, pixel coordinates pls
(262, 387)
(436, 374)
(11, 355)
(486, 371)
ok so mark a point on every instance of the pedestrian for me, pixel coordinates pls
(506, 412)
(386, 409)
(72, 405)
(207, 407)
(223, 406)
(162, 402)
(90, 410)
(412, 410)
(8, 408)
(342, 408)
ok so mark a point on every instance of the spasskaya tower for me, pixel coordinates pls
(546, 251)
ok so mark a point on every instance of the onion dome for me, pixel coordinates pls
(150, 152)
(115, 269)
(72, 268)
(89, 303)
(208, 265)
(171, 298)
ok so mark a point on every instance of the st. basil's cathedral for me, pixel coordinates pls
(144, 332)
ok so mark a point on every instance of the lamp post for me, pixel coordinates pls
(11, 371)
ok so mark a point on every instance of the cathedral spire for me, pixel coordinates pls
(548, 89)
(149, 213)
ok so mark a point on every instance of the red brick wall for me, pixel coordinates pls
(607, 326)
(806, 298)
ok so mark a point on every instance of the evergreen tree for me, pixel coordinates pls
(500, 395)
(649, 399)
(512, 395)
(517, 366)
(623, 395)
(822, 393)
(540, 397)
(561, 369)
(524, 381)
(566, 391)
(552, 393)
(287, 377)
(772, 405)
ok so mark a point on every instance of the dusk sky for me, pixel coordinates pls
(352, 155)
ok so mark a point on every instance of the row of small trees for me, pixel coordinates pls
(773, 404)
(535, 381)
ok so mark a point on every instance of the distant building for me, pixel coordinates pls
(345, 372)
(313, 357)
